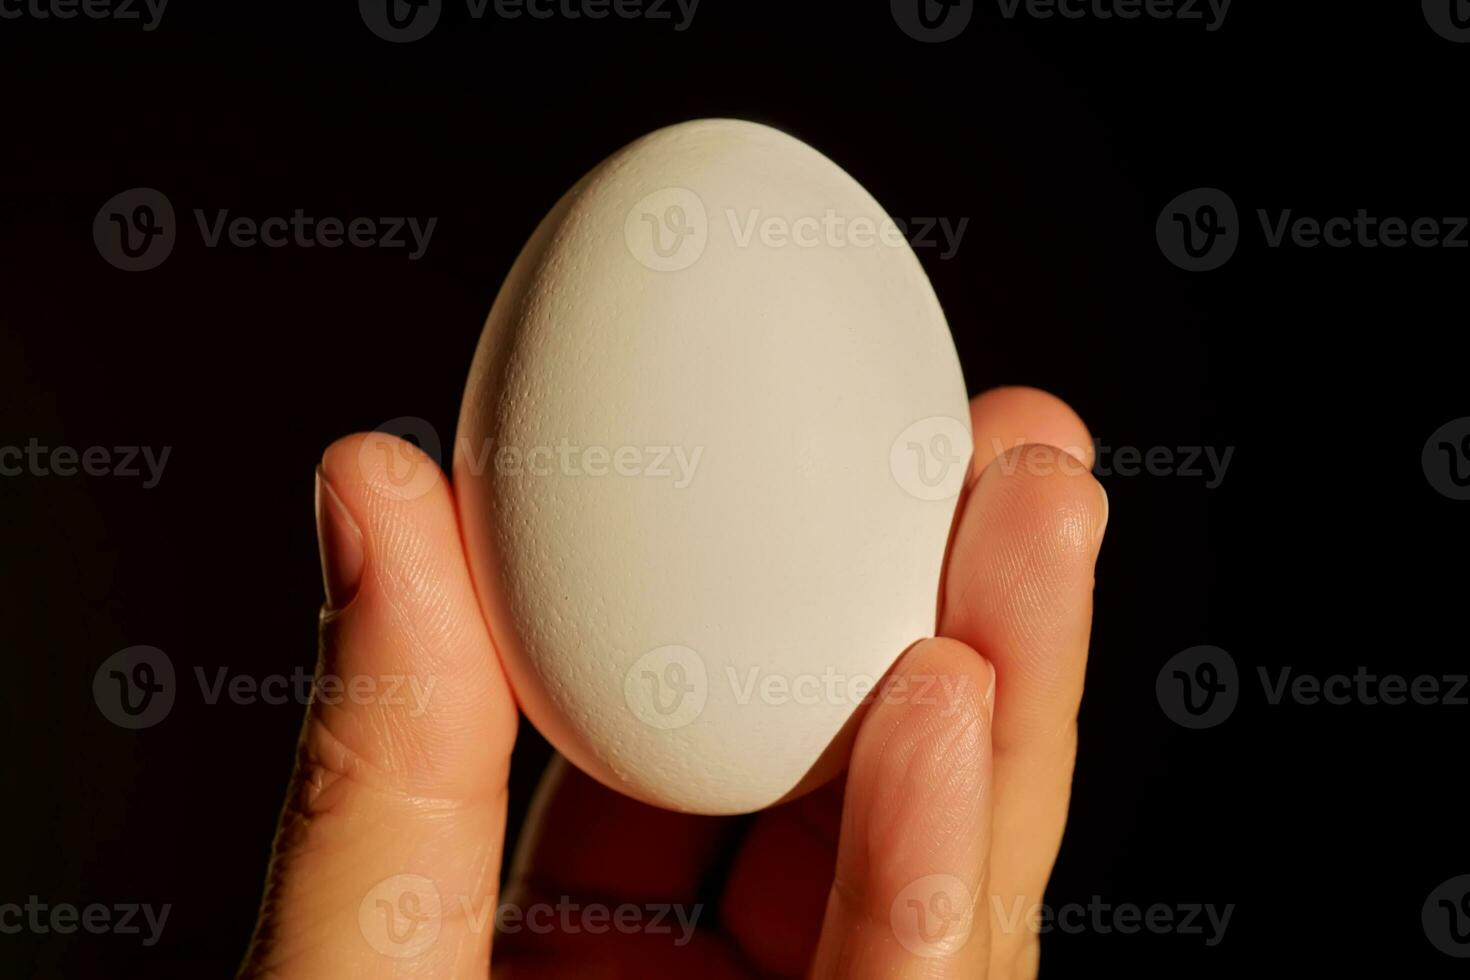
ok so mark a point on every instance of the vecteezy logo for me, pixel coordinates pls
(667, 688)
(667, 230)
(1199, 687)
(931, 917)
(400, 21)
(1446, 917)
(930, 458)
(134, 688)
(135, 230)
(401, 916)
(1198, 230)
(406, 475)
(932, 21)
(1446, 459)
(1450, 19)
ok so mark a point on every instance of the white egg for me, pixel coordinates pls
(708, 460)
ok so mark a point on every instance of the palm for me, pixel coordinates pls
(755, 887)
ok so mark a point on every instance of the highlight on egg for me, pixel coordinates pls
(709, 456)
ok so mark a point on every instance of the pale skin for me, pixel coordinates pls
(968, 789)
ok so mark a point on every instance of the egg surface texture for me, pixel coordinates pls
(708, 459)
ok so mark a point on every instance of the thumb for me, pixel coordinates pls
(916, 826)
(387, 860)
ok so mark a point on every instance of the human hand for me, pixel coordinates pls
(388, 858)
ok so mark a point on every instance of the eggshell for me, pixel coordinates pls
(708, 461)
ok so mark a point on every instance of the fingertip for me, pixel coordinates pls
(1020, 579)
(1006, 417)
(413, 581)
(409, 626)
(383, 465)
(928, 724)
(916, 825)
(918, 784)
(1048, 497)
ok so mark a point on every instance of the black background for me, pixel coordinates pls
(1325, 370)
